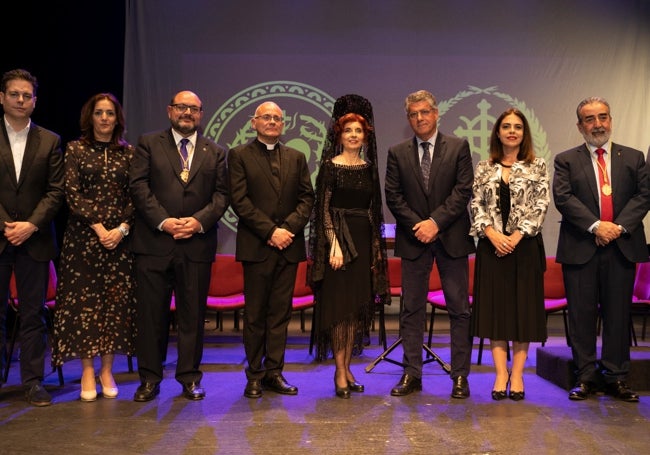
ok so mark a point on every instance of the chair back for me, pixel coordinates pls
(553, 280)
(227, 276)
(642, 282)
(395, 276)
(301, 288)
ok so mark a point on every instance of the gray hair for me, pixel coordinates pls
(420, 95)
(591, 100)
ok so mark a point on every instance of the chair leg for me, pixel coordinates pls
(566, 327)
(302, 321)
(129, 361)
(481, 342)
(433, 315)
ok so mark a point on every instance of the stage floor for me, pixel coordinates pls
(315, 421)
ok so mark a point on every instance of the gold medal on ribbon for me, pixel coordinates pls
(606, 189)
(185, 175)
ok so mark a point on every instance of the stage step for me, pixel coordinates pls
(555, 364)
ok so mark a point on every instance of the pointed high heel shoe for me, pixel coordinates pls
(515, 395)
(88, 395)
(355, 386)
(498, 395)
(341, 392)
(108, 392)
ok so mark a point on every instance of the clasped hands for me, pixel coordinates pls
(108, 238)
(606, 232)
(426, 231)
(17, 232)
(181, 228)
(281, 238)
(504, 244)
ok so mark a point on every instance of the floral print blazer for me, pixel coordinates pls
(529, 197)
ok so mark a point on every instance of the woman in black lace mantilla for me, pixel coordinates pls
(347, 248)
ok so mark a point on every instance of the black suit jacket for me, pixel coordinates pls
(159, 193)
(262, 206)
(575, 192)
(445, 200)
(38, 194)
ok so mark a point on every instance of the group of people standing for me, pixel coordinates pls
(142, 230)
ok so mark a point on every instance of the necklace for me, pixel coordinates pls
(508, 166)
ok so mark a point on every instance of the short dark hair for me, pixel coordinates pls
(18, 74)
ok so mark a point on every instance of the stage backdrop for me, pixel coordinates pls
(477, 57)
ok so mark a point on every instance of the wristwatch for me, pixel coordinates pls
(124, 231)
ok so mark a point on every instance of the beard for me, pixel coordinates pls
(596, 137)
(185, 128)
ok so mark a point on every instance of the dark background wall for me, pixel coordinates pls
(75, 48)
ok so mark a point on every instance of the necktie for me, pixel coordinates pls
(606, 207)
(425, 164)
(185, 171)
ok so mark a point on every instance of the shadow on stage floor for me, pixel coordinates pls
(316, 421)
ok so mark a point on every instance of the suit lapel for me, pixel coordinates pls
(171, 152)
(198, 158)
(6, 157)
(587, 166)
(262, 161)
(413, 158)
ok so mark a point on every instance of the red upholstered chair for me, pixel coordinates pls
(226, 291)
(641, 297)
(554, 293)
(436, 298)
(303, 298)
(49, 308)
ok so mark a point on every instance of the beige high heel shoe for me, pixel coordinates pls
(108, 392)
(88, 395)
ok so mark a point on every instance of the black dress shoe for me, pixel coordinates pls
(407, 384)
(580, 392)
(621, 391)
(193, 391)
(498, 395)
(253, 388)
(147, 391)
(37, 396)
(460, 388)
(355, 386)
(278, 384)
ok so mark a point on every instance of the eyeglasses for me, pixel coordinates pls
(268, 118)
(181, 108)
(16, 95)
(423, 113)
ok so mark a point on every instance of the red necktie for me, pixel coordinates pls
(606, 207)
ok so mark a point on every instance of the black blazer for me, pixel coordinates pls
(445, 200)
(38, 194)
(261, 205)
(158, 193)
(575, 192)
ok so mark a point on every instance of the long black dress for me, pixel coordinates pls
(345, 297)
(95, 302)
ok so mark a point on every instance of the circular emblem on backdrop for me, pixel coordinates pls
(488, 103)
(307, 112)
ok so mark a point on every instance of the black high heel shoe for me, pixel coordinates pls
(498, 395)
(517, 396)
(355, 386)
(341, 392)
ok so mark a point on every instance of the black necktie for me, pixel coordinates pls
(425, 164)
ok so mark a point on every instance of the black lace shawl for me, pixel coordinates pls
(318, 242)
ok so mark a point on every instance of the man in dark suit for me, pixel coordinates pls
(31, 193)
(427, 189)
(602, 191)
(272, 195)
(180, 191)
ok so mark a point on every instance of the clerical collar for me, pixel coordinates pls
(268, 147)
